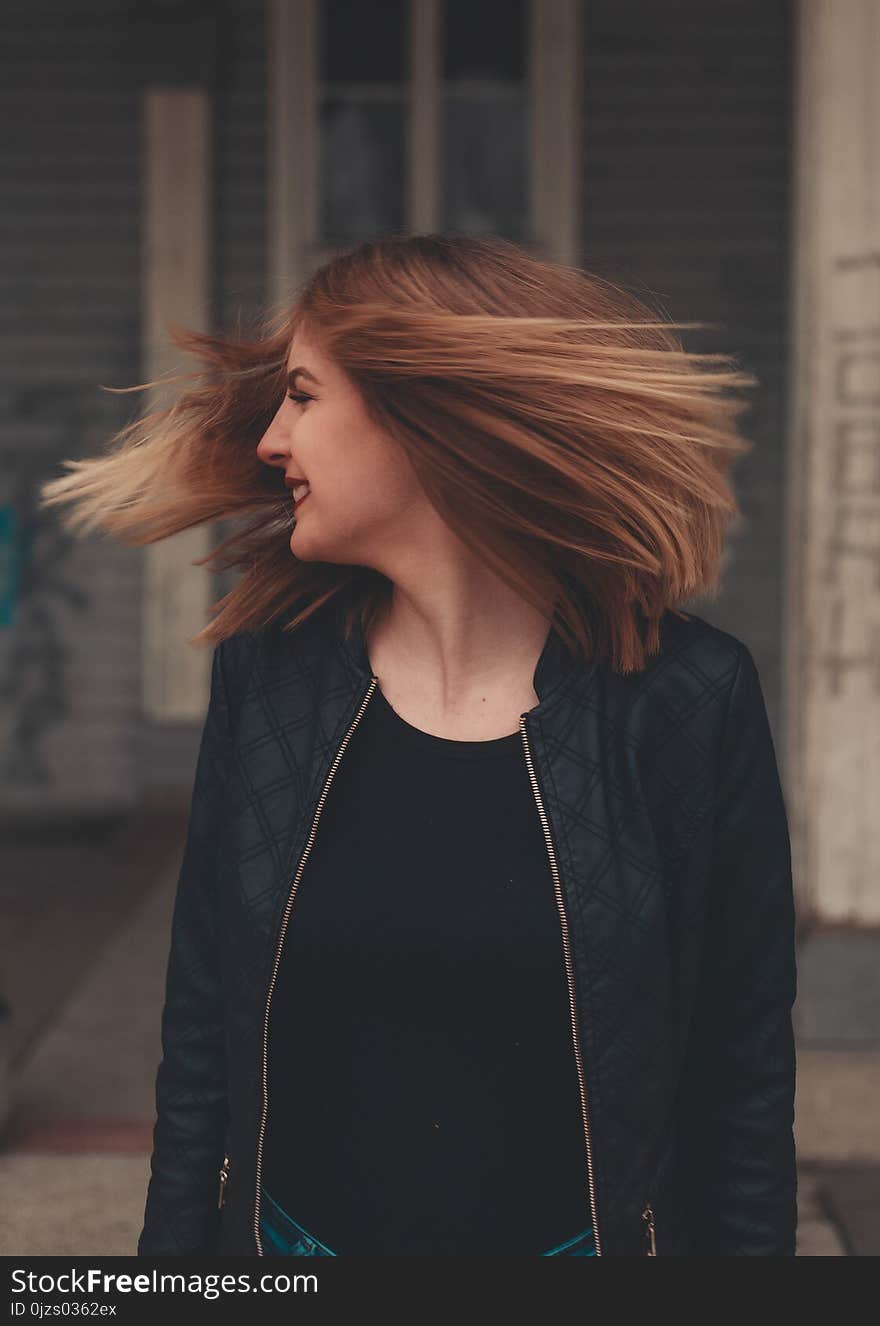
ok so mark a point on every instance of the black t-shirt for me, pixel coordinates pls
(423, 1092)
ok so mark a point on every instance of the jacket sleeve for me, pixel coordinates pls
(181, 1215)
(736, 1100)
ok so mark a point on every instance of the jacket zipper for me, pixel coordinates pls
(648, 1217)
(224, 1179)
(569, 970)
(566, 946)
(295, 885)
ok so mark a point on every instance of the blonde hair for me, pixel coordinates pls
(553, 418)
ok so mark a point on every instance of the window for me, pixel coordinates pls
(457, 115)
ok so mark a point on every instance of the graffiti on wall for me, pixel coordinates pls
(34, 655)
(853, 543)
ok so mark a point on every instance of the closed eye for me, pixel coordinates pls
(299, 397)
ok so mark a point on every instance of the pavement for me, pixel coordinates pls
(90, 917)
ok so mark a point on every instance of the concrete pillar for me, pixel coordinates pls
(177, 228)
(833, 460)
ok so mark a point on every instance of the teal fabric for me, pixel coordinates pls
(581, 1245)
(282, 1236)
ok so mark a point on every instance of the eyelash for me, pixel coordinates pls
(298, 397)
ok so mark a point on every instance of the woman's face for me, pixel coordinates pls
(364, 502)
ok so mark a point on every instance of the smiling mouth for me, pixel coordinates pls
(305, 497)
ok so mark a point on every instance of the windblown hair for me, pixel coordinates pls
(554, 420)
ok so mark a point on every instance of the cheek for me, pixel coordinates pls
(372, 478)
(371, 498)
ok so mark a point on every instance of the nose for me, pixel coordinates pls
(273, 447)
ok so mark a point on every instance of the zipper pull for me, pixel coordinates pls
(224, 1179)
(648, 1217)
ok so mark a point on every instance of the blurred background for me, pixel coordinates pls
(186, 162)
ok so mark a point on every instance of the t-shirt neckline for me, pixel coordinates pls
(445, 746)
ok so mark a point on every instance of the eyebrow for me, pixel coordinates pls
(301, 372)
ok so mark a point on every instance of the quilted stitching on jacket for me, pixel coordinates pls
(670, 833)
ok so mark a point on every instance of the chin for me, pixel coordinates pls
(327, 541)
(300, 548)
(309, 549)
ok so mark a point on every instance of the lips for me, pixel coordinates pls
(302, 499)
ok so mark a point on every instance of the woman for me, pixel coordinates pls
(483, 938)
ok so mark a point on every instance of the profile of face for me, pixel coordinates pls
(365, 503)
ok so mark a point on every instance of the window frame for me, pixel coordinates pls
(554, 46)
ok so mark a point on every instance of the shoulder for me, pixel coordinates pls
(694, 656)
(274, 652)
(684, 692)
(234, 656)
(693, 716)
(693, 648)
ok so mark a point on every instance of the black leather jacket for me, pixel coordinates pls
(668, 846)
